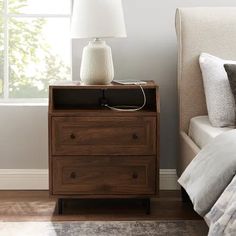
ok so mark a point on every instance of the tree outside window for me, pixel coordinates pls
(34, 46)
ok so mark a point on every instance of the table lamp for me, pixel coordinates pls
(97, 19)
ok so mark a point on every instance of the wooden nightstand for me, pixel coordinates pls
(95, 152)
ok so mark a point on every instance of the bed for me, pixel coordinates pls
(201, 131)
(209, 29)
(207, 153)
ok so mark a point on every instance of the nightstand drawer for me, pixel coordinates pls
(103, 135)
(104, 175)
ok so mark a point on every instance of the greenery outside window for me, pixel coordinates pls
(35, 46)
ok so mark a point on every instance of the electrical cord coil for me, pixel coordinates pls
(129, 108)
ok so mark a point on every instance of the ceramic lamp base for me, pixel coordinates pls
(97, 64)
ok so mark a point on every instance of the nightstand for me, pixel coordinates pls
(95, 152)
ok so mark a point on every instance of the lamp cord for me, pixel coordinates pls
(129, 108)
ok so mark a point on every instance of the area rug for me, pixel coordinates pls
(104, 228)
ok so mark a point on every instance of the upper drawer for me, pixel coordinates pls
(103, 136)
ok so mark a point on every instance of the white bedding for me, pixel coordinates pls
(202, 132)
(222, 217)
(210, 172)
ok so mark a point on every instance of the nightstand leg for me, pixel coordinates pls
(147, 205)
(60, 205)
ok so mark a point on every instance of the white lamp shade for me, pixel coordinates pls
(98, 19)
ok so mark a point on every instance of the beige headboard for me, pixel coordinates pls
(211, 30)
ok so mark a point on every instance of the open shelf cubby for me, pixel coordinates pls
(94, 97)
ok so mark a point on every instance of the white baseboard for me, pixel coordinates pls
(37, 179)
(23, 179)
(168, 179)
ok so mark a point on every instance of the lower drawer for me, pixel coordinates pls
(104, 175)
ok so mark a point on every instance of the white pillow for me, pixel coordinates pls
(219, 98)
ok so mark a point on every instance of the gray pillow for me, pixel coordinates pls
(231, 72)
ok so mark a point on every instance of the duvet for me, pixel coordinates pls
(210, 183)
(222, 217)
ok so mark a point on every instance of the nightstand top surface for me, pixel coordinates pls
(113, 85)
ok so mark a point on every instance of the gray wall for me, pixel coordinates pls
(149, 52)
(23, 136)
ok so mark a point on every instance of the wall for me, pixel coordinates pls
(149, 52)
(23, 137)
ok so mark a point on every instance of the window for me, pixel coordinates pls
(35, 46)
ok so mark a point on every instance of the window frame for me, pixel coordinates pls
(6, 16)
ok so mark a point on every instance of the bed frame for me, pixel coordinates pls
(211, 30)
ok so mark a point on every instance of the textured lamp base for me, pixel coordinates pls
(97, 63)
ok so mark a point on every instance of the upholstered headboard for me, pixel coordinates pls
(211, 30)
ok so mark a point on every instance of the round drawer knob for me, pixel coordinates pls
(135, 175)
(135, 136)
(72, 136)
(73, 175)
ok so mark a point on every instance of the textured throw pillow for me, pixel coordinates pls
(219, 98)
(231, 72)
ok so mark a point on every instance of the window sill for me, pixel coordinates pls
(24, 102)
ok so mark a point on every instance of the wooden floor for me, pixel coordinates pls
(38, 206)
